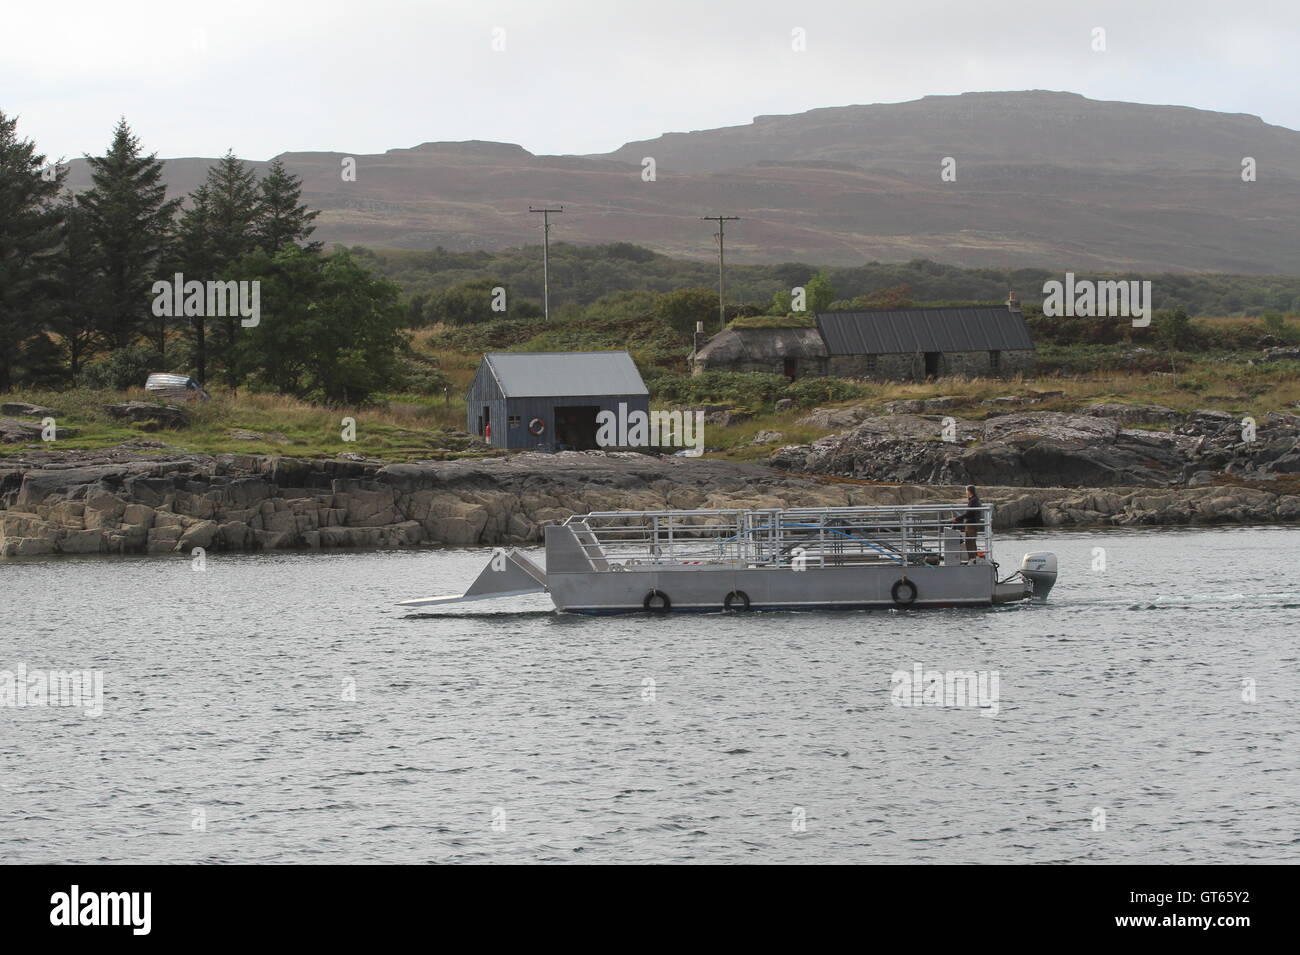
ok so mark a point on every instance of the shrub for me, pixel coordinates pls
(736, 389)
(125, 368)
(808, 392)
(39, 363)
(1174, 329)
(682, 309)
(420, 374)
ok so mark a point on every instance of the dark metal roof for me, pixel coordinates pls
(972, 328)
(565, 374)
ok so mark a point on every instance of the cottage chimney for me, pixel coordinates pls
(1013, 303)
(700, 338)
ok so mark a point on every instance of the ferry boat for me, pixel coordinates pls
(710, 561)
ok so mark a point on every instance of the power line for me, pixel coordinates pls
(721, 235)
(546, 258)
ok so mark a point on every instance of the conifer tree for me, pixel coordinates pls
(75, 287)
(195, 257)
(29, 237)
(128, 217)
(232, 212)
(216, 232)
(282, 217)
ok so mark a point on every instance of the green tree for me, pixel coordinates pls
(415, 310)
(74, 301)
(895, 296)
(820, 293)
(29, 238)
(217, 229)
(1174, 330)
(281, 215)
(466, 304)
(129, 218)
(782, 303)
(329, 329)
(625, 304)
(195, 255)
(232, 220)
(40, 363)
(685, 307)
(233, 210)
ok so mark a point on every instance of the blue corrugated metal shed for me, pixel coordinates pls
(544, 400)
(565, 374)
(974, 328)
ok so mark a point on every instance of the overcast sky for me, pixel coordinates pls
(582, 76)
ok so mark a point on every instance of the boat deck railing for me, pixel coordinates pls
(779, 537)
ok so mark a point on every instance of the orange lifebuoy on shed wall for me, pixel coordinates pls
(537, 426)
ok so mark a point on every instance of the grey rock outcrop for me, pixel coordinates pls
(119, 502)
(164, 416)
(13, 431)
(115, 502)
(25, 410)
(1278, 353)
(1048, 448)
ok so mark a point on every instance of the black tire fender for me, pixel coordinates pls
(648, 605)
(907, 597)
(736, 597)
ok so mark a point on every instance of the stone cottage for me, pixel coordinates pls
(793, 352)
(907, 344)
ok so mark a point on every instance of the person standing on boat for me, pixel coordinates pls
(972, 519)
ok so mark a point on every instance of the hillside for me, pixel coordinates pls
(1044, 179)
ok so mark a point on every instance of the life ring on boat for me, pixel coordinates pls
(649, 605)
(537, 426)
(903, 584)
(736, 597)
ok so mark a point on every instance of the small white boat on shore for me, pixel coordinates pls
(707, 561)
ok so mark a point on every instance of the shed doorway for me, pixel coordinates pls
(932, 364)
(575, 427)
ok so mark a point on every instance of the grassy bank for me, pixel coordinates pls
(406, 427)
(420, 427)
(1234, 387)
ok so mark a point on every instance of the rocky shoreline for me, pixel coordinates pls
(1101, 446)
(137, 500)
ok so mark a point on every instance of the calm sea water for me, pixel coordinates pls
(278, 708)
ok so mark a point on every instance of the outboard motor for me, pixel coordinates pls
(1039, 569)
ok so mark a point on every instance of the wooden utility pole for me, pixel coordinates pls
(721, 235)
(546, 258)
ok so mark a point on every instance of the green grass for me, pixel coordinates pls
(401, 427)
(737, 440)
(405, 427)
(773, 321)
(1238, 388)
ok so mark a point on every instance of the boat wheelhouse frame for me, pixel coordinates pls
(903, 535)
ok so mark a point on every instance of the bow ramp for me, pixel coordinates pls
(508, 574)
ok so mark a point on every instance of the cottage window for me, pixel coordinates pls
(513, 421)
(995, 361)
